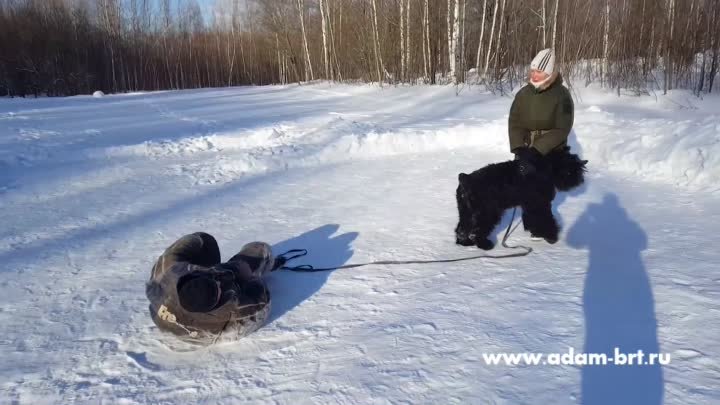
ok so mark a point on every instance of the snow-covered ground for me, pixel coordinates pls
(93, 189)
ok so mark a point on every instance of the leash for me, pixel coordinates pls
(306, 268)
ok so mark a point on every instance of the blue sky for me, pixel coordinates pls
(206, 6)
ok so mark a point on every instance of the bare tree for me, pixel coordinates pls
(454, 32)
(308, 62)
(492, 35)
(376, 44)
(334, 71)
(555, 14)
(606, 42)
(461, 73)
(715, 39)
(426, 39)
(544, 25)
(482, 33)
(403, 56)
(63, 47)
(408, 38)
(498, 52)
(669, 46)
(326, 59)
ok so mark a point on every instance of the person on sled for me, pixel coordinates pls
(197, 297)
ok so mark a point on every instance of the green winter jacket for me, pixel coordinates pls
(541, 118)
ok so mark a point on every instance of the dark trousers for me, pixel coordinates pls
(198, 248)
(202, 249)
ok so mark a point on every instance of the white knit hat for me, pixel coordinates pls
(545, 61)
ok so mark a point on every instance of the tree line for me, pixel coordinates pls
(66, 47)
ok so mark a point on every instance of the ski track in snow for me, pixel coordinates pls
(92, 190)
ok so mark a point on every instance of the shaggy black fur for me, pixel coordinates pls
(484, 194)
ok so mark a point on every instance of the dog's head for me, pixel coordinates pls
(568, 170)
(463, 179)
(463, 185)
(467, 190)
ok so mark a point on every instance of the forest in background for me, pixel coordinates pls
(68, 47)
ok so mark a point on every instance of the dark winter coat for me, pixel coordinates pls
(245, 302)
(541, 118)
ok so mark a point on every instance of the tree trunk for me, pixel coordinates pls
(338, 73)
(279, 59)
(308, 63)
(606, 44)
(713, 69)
(326, 60)
(453, 51)
(544, 26)
(715, 45)
(554, 35)
(461, 74)
(376, 43)
(408, 52)
(334, 71)
(669, 46)
(490, 43)
(643, 55)
(402, 40)
(426, 40)
(482, 33)
(498, 52)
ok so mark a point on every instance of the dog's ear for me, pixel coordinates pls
(463, 178)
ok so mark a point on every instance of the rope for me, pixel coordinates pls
(306, 268)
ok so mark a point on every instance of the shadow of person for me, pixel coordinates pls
(289, 289)
(619, 307)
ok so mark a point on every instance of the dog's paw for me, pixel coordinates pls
(484, 244)
(464, 238)
(464, 241)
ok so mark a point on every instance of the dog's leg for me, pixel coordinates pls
(485, 221)
(465, 224)
(539, 220)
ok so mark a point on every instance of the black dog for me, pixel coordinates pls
(484, 194)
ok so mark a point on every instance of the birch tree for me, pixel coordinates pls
(555, 14)
(490, 42)
(544, 25)
(426, 39)
(715, 40)
(402, 40)
(308, 63)
(498, 52)
(408, 38)
(454, 32)
(326, 61)
(669, 46)
(376, 44)
(462, 42)
(606, 43)
(448, 25)
(482, 33)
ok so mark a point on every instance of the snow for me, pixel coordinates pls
(92, 191)
(98, 94)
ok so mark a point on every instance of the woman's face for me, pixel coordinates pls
(538, 75)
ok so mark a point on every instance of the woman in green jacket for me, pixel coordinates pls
(540, 121)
